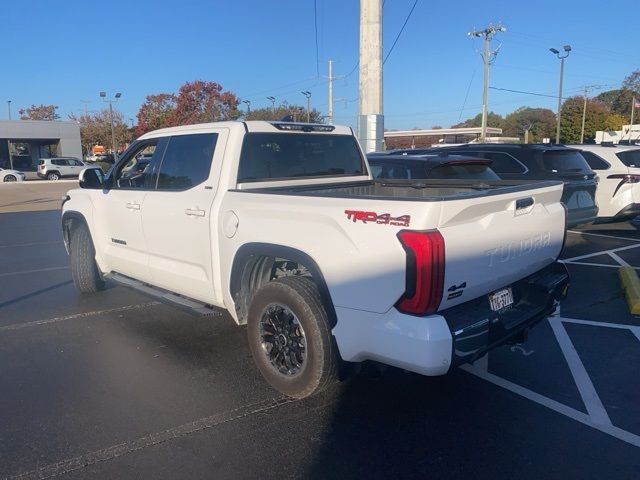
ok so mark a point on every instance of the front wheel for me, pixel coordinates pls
(290, 337)
(53, 176)
(84, 270)
(10, 178)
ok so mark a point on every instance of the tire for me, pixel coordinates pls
(84, 270)
(53, 176)
(319, 368)
(10, 178)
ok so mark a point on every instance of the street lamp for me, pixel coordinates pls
(273, 104)
(567, 50)
(248, 104)
(103, 95)
(307, 94)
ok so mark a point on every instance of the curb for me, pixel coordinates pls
(37, 182)
(631, 286)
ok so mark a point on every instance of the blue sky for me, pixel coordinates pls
(66, 51)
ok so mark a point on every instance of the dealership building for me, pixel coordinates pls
(24, 142)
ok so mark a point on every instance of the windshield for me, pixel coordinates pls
(565, 161)
(267, 156)
(631, 158)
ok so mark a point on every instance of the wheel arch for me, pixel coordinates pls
(69, 218)
(251, 264)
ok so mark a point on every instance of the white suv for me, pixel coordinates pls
(56, 168)
(618, 192)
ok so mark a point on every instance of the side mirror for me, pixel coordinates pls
(91, 178)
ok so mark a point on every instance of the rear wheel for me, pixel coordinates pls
(10, 178)
(85, 272)
(53, 176)
(290, 337)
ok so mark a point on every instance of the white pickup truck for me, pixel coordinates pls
(283, 225)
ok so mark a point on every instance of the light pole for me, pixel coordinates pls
(567, 49)
(113, 133)
(9, 108)
(248, 104)
(307, 94)
(273, 104)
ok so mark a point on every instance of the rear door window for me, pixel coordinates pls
(596, 162)
(187, 161)
(631, 158)
(565, 161)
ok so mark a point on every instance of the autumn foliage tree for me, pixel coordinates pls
(156, 112)
(201, 101)
(39, 112)
(571, 119)
(540, 121)
(283, 110)
(95, 129)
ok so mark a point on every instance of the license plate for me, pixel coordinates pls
(500, 299)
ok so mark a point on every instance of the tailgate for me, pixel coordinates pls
(494, 241)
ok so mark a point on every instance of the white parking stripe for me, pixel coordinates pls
(614, 431)
(619, 259)
(33, 271)
(605, 236)
(587, 391)
(603, 252)
(594, 264)
(18, 326)
(594, 323)
(109, 453)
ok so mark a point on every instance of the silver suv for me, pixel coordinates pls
(56, 168)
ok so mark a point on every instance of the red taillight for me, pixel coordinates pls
(425, 271)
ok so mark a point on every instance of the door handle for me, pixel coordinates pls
(194, 212)
(133, 206)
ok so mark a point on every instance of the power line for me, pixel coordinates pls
(525, 93)
(315, 23)
(400, 32)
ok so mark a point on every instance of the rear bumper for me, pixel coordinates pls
(581, 216)
(431, 345)
(629, 212)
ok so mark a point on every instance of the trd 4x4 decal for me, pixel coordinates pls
(382, 219)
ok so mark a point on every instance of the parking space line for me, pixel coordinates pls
(602, 252)
(593, 323)
(109, 453)
(594, 264)
(572, 413)
(36, 323)
(8, 274)
(618, 259)
(587, 391)
(605, 236)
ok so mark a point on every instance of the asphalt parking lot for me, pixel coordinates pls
(117, 385)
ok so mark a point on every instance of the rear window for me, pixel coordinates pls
(595, 161)
(631, 158)
(472, 172)
(565, 161)
(268, 156)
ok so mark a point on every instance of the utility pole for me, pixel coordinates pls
(633, 111)
(330, 108)
(584, 109)
(567, 49)
(9, 108)
(307, 94)
(103, 95)
(527, 128)
(86, 104)
(488, 57)
(273, 105)
(370, 112)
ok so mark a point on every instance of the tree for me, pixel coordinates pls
(39, 112)
(615, 121)
(95, 129)
(493, 120)
(283, 110)
(617, 101)
(202, 101)
(158, 111)
(571, 119)
(542, 122)
(632, 82)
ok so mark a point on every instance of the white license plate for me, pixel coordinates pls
(500, 299)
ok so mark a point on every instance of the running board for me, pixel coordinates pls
(165, 296)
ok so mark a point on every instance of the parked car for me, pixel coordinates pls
(538, 162)
(618, 193)
(420, 167)
(56, 168)
(282, 225)
(7, 175)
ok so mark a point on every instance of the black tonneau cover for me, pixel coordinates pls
(430, 191)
